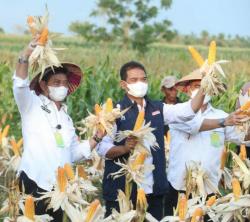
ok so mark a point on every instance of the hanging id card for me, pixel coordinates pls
(215, 139)
(59, 139)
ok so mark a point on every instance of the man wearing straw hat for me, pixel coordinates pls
(49, 136)
(200, 139)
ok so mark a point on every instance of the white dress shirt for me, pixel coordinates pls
(171, 114)
(188, 144)
(40, 116)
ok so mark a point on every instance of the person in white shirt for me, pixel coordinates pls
(201, 140)
(49, 136)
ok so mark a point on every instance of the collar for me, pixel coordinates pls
(46, 101)
(128, 102)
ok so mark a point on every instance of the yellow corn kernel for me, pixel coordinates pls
(141, 201)
(182, 207)
(69, 171)
(223, 159)
(196, 56)
(243, 152)
(29, 208)
(212, 53)
(92, 209)
(5, 131)
(198, 213)
(211, 201)
(98, 109)
(15, 147)
(109, 105)
(81, 172)
(61, 179)
(139, 160)
(236, 188)
(139, 120)
(43, 37)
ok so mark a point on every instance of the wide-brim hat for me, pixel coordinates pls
(195, 75)
(74, 74)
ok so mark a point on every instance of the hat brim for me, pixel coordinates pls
(195, 75)
(74, 74)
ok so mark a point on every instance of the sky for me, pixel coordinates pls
(231, 17)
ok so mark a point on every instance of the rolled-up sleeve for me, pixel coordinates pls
(191, 127)
(80, 150)
(22, 93)
(178, 113)
(104, 146)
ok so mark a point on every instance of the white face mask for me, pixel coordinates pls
(138, 89)
(206, 99)
(58, 94)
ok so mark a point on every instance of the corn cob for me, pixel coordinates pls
(141, 200)
(139, 160)
(81, 172)
(43, 37)
(69, 171)
(212, 53)
(61, 179)
(139, 120)
(20, 143)
(182, 207)
(30, 21)
(5, 131)
(15, 147)
(196, 56)
(92, 209)
(236, 188)
(223, 159)
(243, 152)
(245, 107)
(198, 213)
(98, 109)
(109, 105)
(29, 208)
(211, 201)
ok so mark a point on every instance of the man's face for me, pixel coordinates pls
(133, 76)
(170, 93)
(193, 85)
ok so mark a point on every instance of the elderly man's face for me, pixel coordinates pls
(170, 93)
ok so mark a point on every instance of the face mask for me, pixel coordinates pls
(206, 99)
(138, 89)
(58, 94)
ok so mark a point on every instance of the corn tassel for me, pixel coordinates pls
(81, 172)
(223, 159)
(43, 37)
(69, 171)
(92, 209)
(139, 160)
(198, 213)
(29, 208)
(236, 188)
(139, 120)
(5, 131)
(212, 53)
(98, 109)
(61, 179)
(109, 105)
(243, 152)
(14, 147)
(196, 56)
(210, 202)
(182, 207)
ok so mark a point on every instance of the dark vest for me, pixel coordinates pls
(153, 114)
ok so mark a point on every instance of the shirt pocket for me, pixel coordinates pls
(217, 138)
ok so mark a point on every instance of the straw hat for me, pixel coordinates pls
(74, 75)
(195, 75)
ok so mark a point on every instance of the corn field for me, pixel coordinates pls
(101, 63)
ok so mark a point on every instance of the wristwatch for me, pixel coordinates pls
(222, 122)
(22, 60)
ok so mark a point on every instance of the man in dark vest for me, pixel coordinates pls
(134, 83)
